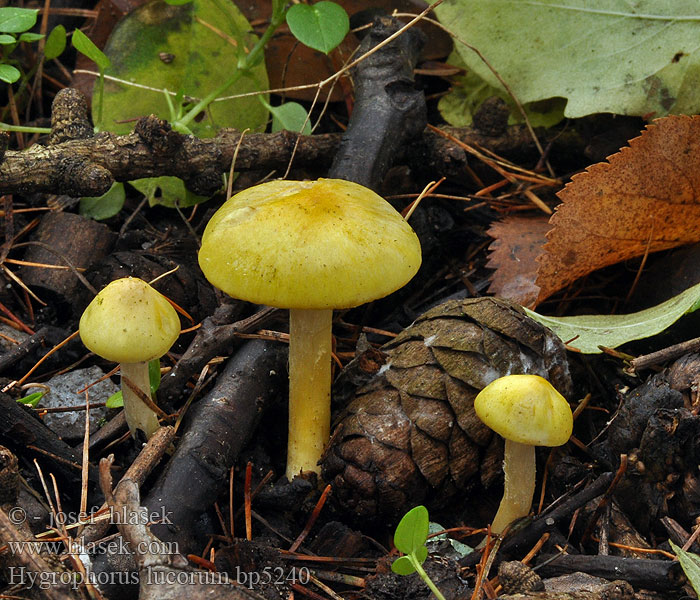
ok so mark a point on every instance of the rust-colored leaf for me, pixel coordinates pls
(646, 195)
(517, 243)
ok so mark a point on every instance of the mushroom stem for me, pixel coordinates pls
(309, 388)
(519, 485)
(138, 415)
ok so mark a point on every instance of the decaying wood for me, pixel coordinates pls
(214, 431)
(389, 112)
(9, 477)
(21, 430)
(148, 458)
(66, 240)
(615, 590)
(20, 567)
(88, 166)
(163, 574)
(652, 574)
(661, 356)
(47, 335)
(523, 539)
(214, 338)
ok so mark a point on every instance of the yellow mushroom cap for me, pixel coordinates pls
(525, 409)
(129, 322)
(308, 244)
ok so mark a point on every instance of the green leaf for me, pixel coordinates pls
(690, 563)
(321, 26)
(84, 45)
(30, 37)
(469, 91)
(412, 530)
(198, 62)
(460, 548)
(32, 399)
(633, 58)
(167, 191)
(403, 566)
(9, 74)
(592, 331)
(116, 400)
(105, 206)
(55, 43)
(291, 116)
(6, 39)
(17, 20)
(154, 374)
(177, 2)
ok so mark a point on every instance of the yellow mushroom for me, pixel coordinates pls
(526, 411)
(131, 323)
(310, 246)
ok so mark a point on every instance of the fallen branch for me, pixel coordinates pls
(87, 166)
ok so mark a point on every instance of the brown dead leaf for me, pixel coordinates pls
(646, 195)
(517, 244)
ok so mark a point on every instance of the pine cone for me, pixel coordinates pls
(411, 435)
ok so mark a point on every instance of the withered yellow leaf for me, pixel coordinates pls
(645, 196)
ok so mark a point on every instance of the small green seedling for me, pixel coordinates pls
(86, 47)
(32, 399)
(410, 537)
(14, 29)
(690, 563)
(15, 24)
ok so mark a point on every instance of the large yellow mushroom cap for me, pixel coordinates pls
(525, 409)
(308, 244)
(129, 322)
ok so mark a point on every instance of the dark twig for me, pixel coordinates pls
(651, 574)
(87, 166)
(214, 338)
(660, 356)
(526, 537)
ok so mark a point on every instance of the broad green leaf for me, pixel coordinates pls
(55, 43)
(198, 61)
(17, 20)
(291, 116)
(412, 530)
(30, 37)
(321, 26)
(690, 563)
(105, 206)
(403, 566)
(85, 46)
(177, 2)
(9, 74)
(6, 39)
(167, 191)
(633, 58)
(588, 332)
(469, 91)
